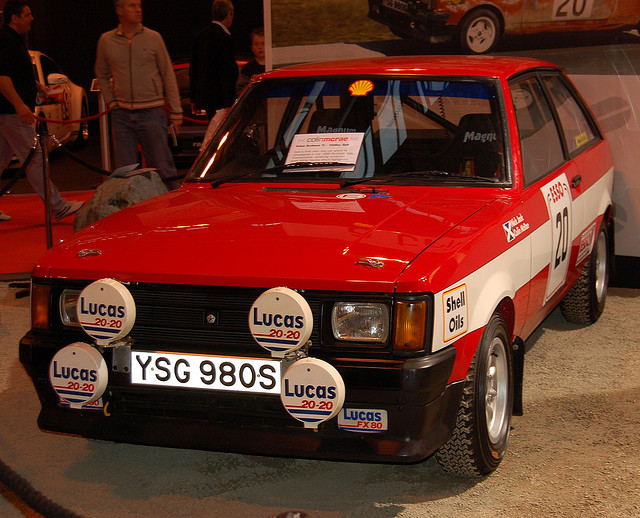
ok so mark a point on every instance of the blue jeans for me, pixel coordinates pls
(147, 128)
(17, 138)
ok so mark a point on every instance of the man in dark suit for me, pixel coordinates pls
(213, 71)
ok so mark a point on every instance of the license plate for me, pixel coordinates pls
(205, 372)
(397, 5)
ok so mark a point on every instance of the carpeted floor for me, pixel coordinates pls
(24, 239)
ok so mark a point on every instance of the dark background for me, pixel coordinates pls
(68, 30)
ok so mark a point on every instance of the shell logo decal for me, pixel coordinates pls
(361, 87)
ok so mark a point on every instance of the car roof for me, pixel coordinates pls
(488, 66)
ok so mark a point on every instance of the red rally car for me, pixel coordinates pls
(479, 25)
(349, 272)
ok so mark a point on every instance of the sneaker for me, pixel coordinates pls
(4, 216)
(70, 208)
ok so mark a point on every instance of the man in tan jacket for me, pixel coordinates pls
(137, 80)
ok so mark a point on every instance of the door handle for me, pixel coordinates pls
(576, 180)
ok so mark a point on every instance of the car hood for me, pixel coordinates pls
(263, 236)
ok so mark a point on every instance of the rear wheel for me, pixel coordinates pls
(479, 32)
(585, 301)
(481, 435)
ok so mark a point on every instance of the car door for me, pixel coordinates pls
(549, 198)
(587, 150)
(62, 94)
(551, 12)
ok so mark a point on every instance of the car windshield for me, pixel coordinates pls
(353, 130)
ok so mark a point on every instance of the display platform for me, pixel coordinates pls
(24, 238)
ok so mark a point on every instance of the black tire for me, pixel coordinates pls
(479, 32)
(481, 434)
(585, 301)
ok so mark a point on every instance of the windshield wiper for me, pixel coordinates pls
(230, 178)
(306, 165)
(319, 165)
(331, 166)
(392, 176)
(429, 173)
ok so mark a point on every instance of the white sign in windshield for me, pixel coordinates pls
(338, 150)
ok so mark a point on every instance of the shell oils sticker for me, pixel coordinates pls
(515, 227)
(586, 243)
(365, 420)
(456, 313)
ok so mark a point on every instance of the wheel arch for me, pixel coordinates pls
(508, 311)
(497, 294)
(609, 221)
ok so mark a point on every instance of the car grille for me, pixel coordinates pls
(195, 406)
(176, 318)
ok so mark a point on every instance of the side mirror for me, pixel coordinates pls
(57, 79)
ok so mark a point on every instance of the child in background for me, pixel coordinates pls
(256, 65)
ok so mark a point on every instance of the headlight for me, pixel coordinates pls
(68, 307)
(360, 321)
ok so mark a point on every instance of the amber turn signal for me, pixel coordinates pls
(410, 325)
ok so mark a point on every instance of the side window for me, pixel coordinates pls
(576, 126)
(539, 138)
(48, 67)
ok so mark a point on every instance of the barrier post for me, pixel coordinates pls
(105, 148)
(43, 133)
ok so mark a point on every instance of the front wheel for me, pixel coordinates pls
(479, 32)
(481, 434)
(585, 301)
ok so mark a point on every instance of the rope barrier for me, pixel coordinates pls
(72, 121)
(29, 495)
(83, 162)
(98, 115)
(22, 171)
(195, 121)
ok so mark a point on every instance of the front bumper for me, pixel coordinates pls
(420, 405)
(411, 19)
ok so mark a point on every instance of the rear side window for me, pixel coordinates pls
(577, 128)
(539, 138)
(48, 67)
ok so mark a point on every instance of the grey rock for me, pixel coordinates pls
(116, 194)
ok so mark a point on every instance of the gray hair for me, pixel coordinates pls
(220, 9)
